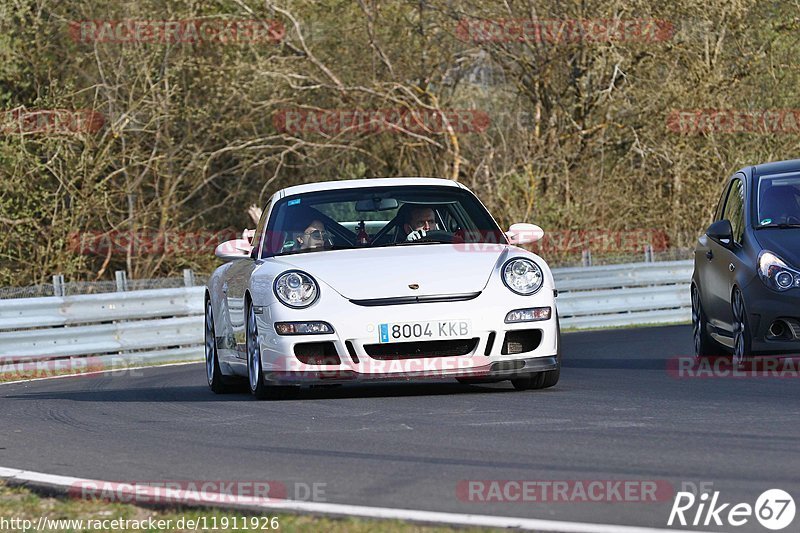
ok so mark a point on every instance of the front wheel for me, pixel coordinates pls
(255, 375)
(742, 338)
(546, 379)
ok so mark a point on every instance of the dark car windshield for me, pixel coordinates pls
(377, 217)
(779, 200)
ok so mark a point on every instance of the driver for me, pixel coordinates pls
(418, 222)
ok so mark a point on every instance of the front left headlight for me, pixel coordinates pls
(774, 272)
(296, 289)
(522, 276)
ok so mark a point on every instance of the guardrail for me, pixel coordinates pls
(624, 295)
(167, 324)
(151, 325)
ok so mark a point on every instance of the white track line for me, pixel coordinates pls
(96, 372)
(63, 484)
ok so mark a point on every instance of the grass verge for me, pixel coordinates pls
(22, 504)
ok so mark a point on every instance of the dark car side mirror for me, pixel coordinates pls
(721, 232)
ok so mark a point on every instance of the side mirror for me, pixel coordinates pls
(233, 250)
(522, 233)
(721, 232)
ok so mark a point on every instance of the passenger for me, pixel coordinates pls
(314, 236)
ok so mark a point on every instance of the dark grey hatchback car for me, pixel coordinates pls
(746, 281)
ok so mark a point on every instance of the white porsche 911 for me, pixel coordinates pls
(397, 278)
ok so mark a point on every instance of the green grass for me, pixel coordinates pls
(21, 503)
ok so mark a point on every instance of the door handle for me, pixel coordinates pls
(731, 267)
(709, 255)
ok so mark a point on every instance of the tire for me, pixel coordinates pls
(217, 381)
(542, 380)
(742, 337)
(704, 346)
(255, 375)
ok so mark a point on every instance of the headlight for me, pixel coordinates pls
(296, 289)
(775, 274)
(522, 276)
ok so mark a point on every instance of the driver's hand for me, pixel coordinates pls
(416, 235)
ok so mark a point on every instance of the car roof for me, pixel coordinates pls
(366, 182)
(775, 167)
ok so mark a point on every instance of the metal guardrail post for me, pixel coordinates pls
(58, 285)
(122, 280)
(586, 258)
(188, 277)
(648, 253)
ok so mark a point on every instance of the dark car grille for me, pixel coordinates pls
(421, 349)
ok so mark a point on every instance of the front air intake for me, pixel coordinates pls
(521, 341)
(317, 353)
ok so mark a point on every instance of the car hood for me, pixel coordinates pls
(783, 242)
(387, 272)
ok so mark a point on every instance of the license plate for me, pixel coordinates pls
(414, 331)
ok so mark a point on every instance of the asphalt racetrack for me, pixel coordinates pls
(616, 414)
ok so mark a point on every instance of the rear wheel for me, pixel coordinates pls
(742, 338)
(216, 380)
(704, 345)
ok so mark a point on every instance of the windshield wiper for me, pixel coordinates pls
(406, 243)
(782, 225)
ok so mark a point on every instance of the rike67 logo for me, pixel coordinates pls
(774, 509)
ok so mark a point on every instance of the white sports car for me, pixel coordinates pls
(401, 278)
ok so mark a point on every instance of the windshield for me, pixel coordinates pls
(778, 196)
(377, 217)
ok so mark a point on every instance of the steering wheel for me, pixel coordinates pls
(436, 235)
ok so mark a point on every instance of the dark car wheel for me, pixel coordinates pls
(742, 338)
(217, 382)
(704, 345)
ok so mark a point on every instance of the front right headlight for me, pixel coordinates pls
(775, 274)
(522, 276)
(296, 289)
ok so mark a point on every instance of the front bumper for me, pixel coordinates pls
(357, 326)
(497, 371)
(764, 306)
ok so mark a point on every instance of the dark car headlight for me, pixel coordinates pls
(522, 276)
(296, 289)
(775, 274)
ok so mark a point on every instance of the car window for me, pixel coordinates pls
(376, 216)
(259, 231)
(718, 213)
(779, 199)
(734, 209)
